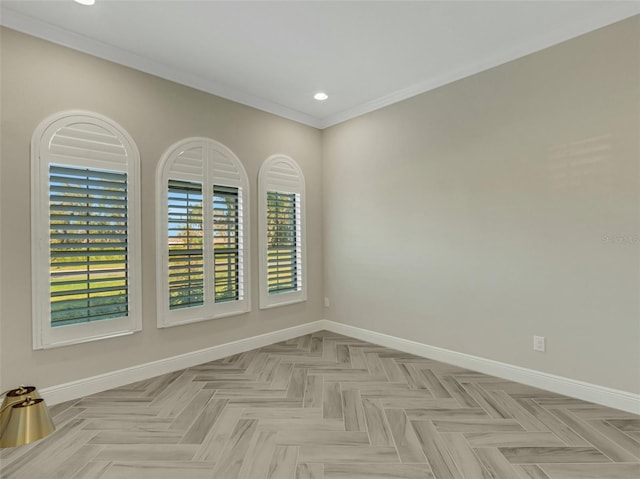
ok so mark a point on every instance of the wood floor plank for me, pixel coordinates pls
(259, 455)
(353, 413)
(612, 450)
(530, 471)
(332, 401)
(464, 457)
(358, 361)
(158, 470)
(310, 471)
(347, 454)
(555, 425)
(592, 471)
(92, 470)
(487, 402)
(234, 454)
(391, 369)
(533, 455)
(446, 413)
(297, 384)
(477, 425)
(282, 376)
(213, 444)
(435, 450)
(616, 436)
(407, 444)
(69, 466)
(313, 392)
(434, 385)
(513, 439)
(321, 438)
(186, 418)
(413, 377)
(458, 392)
(600, 412)
(377, 425)
(494, 462)
(283, 464)
(516, 411)
(148, 452)
(377, 471)
(205, 420)
(626, 424)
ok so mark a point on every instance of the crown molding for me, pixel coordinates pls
(617, 11)
(37, 28)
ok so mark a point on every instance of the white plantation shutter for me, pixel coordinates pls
(282, 232)
(283, 242)
(202, 233)
(85, 230)
(185, 253)
(226, 243)
(88, 247)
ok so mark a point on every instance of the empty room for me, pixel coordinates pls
(319, 239)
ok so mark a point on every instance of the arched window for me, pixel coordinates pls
(203, 233)
(85, 230)
(283, 267)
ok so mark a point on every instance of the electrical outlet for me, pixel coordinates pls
(327, 303)
(539, 344)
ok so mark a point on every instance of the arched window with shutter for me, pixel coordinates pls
(86, 268)
(283, 268)
(202, 233)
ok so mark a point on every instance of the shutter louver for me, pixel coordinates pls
(226, 243)
(283, 242)
(186, 260)
(88, 223)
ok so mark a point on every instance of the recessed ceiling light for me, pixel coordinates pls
(85, 2)
(321, 96)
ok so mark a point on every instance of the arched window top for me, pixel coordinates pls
(281, 173)
(78, 137)
(198, 157)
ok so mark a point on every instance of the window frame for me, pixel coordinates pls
(45, 335)
(281, 174)
(231, 174)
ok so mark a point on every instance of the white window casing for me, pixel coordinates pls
(202, 226)
(85, 230)
(282, 232)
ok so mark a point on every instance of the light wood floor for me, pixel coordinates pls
(327, 406)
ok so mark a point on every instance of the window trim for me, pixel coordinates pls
(208, 178)
(43, 334)
(269, 180)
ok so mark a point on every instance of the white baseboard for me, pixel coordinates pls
(614, 398)
(102, 382)
(602, 395)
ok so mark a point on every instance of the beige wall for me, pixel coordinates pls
(477, 215)
(38, 79)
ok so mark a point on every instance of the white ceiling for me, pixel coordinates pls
(274, 55)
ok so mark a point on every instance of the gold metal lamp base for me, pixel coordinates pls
(24, 418)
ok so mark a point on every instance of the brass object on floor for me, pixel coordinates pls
(24, 418)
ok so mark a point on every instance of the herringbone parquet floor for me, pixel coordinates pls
(328, 406)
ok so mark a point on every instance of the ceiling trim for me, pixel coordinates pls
(46, 31)
(617, 11)
(621, 11)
